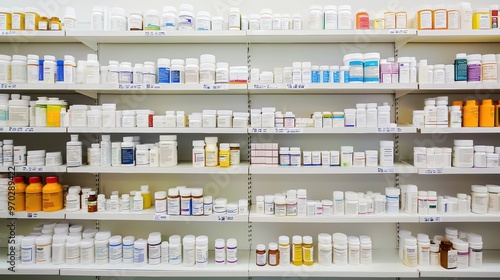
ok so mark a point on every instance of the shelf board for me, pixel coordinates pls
(149, 215)
(32, 129)
(386, 263)
(158, 37)
(313, 170)
(5, 169)
(469, 217)
(457, 130)
(23, 36)
(320, 219)
(41, 169)
(320, 88)
(201, 130)
(334, 130)
(330, 36)
(458, 171)
(459, 87)
(490, 268)
(130, 270)
(35, 215)
(171, 89)
(181, 168)
(456, 36)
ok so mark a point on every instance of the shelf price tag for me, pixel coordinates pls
(260, 130)
(127, 87)
(386, 170)
(433, 171)
(154, 33)
(215, 87)
(30, 215)
(265, 86)
(432, 219)
(389, 129)
(21, 129)
(398, 31)
(8, 86)
(288, 130)
(225, 218)
(295, 86)
(8, 32)
(161, 217)
(32, 168)
(153, 86)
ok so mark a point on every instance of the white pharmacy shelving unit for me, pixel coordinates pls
(264, 50)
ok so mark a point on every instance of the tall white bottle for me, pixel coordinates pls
(106, 150)
(74, 152)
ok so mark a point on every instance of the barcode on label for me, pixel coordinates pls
(129, 86)
(225, 218)
(8, 32)
(288, 130)
(31, 215)
(386, 170)
(398, 31)
(155, 33)
(387, 129)
(21, 129)
(295, 86)
(161, 217)
(215, 87)
(153, 86)
(8, 86)
(32, 168)
(433, 171)
(432, 219)
(260, 130)
(264, 86)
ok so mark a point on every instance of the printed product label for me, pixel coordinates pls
(101, 252)
(355, 71)
(154, 251)
(371, 74)
(175, 77)
(163, 75)
(115, 251)
(139, 255)
(474, 73)
(128, 156)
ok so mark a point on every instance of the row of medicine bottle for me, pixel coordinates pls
(106, 116)
(470, 68)
(32, 19)
(364, 115)
(21, 111)
(32, 197)
(482, 199)
(437, 113)
(338, 249)
(130, 152)
(260, 153)
(206, 153)
(457, 249)
(357, 68)
(11, 155)
(69, 245)
(480, 156)
(20, 69)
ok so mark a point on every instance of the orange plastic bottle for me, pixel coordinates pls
(362, 20)
(52, 195)
(20, 197)
(471, 114)
(487, 113)
(34, 195)
(497, 114)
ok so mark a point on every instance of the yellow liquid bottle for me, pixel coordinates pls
(297, 250)
(146, 196)
(308, 250)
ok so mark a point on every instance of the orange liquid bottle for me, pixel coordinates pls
(362, 20)
(20, 194)
(34, 195)
(52, 195)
